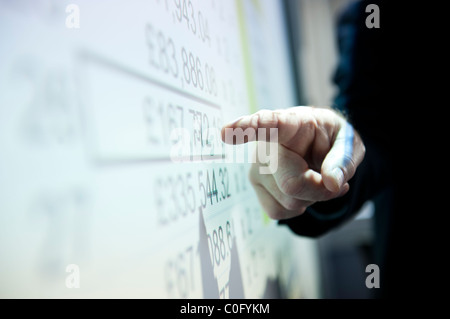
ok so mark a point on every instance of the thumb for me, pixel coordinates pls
(340, 164)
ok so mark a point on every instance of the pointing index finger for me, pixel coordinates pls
(261, 126)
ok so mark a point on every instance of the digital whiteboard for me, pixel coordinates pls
(114, 182)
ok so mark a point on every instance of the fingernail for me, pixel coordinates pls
(339, 176)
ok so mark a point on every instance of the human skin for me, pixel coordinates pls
(318, 153)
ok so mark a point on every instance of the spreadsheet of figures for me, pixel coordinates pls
(114, 181)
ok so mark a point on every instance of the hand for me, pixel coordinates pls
(318, 152)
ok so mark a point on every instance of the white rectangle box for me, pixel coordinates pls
(135, 117)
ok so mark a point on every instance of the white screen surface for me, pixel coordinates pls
(100, 194)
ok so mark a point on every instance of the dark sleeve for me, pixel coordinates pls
(359, 77)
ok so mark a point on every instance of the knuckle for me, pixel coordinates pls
(291, 186)
(302, 210)
(309, 123)
(280, 214)
(276, 214)
(266, 118)
(291, 204)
